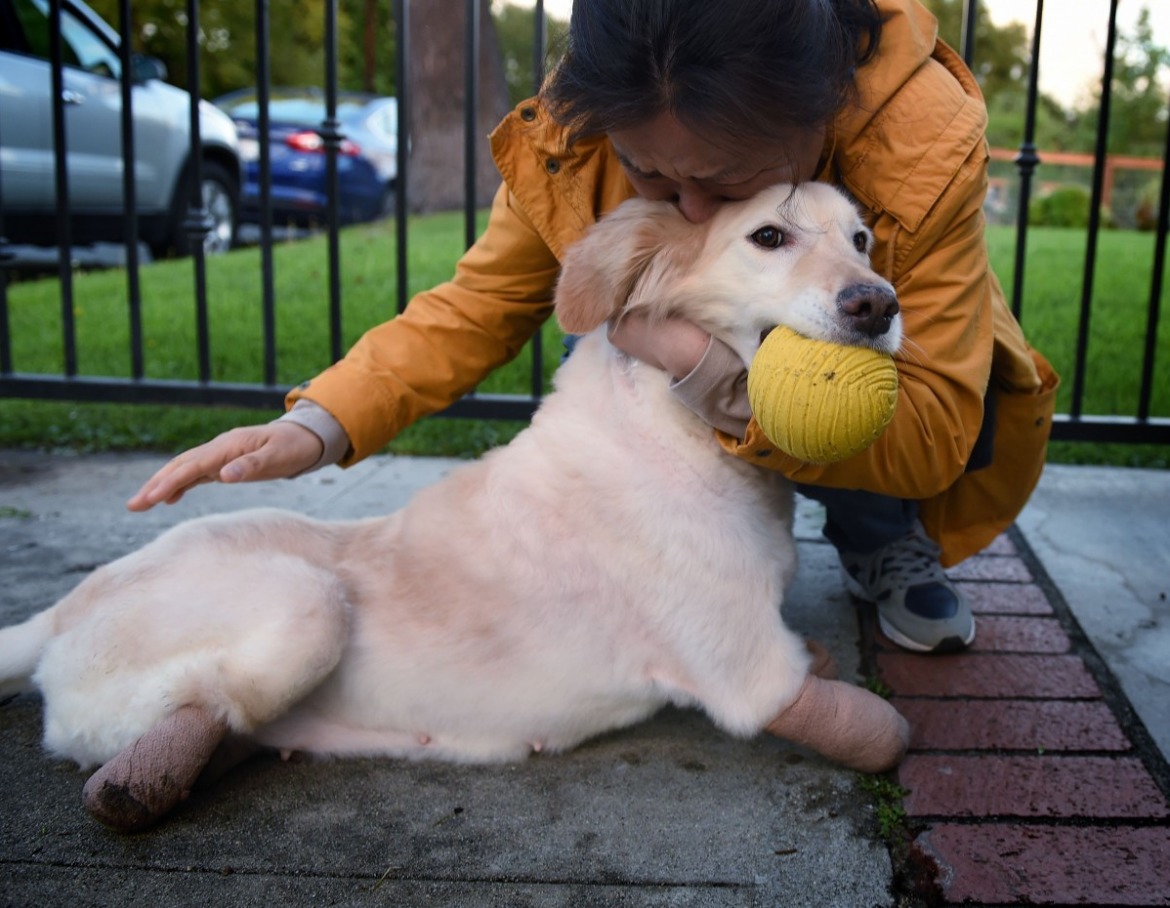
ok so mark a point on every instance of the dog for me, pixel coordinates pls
(612, 559)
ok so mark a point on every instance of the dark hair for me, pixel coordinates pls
(739, 70)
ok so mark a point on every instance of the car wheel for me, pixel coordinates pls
(220, 201)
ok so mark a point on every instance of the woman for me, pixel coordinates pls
(701, 103)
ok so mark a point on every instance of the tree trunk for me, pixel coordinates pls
(437, 99)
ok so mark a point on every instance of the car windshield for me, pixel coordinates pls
(295, 111)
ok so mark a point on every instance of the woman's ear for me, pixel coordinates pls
(602, 271)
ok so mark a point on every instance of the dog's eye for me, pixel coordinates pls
(768, 237)
(861, 241)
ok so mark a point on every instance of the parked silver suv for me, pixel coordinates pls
(93, 102)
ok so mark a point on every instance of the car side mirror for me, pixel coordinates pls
(144, 68)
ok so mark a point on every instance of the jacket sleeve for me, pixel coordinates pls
(941, 273)
(447, 339)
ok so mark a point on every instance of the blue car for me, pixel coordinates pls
(367, 162)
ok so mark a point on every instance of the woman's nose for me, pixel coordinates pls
(697, 205)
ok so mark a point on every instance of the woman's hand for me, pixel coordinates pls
(673, 344)
(276, 450)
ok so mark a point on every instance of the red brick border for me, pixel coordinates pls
(1024, 783)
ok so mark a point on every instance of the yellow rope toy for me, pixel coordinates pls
(821, 402)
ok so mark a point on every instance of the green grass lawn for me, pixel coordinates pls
(1050, 314)
(1053, 278)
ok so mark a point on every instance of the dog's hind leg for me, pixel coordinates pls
(243, 638)
(151, 679)
(257, 677)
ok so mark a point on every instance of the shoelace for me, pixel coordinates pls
(912, 560)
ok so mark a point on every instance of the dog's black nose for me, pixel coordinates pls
(868, 308)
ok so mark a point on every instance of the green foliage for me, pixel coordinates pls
(227, 57)
(515, 29)
(1001, 52)
(1067, 206)
(1149, 201)
(889, 809)
(1141, 80)
(366, 39)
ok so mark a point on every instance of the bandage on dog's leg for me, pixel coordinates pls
(156, 772)
(846, 724)
(232, 751)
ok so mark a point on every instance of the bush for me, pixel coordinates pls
(1146, 216)
(1067, 206)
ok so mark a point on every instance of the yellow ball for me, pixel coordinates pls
(821, 402)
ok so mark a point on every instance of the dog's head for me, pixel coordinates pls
(794, 256)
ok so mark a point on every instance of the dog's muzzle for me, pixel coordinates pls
(868, 309)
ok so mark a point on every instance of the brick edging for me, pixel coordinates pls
(1030, 778)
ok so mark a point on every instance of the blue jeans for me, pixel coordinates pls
(862, 522)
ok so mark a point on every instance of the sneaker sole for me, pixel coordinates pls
(946, 645)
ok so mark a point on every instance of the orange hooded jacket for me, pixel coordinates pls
(911, 151)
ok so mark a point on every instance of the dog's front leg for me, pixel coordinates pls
(147, 779)
(847, 724)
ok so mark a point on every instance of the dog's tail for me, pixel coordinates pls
(21, 647)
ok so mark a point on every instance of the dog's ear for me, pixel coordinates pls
(640, 243)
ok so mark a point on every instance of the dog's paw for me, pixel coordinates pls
(847, 724)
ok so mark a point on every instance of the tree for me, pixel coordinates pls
(1002, 57)
(1140, 93)
(438, 94)
(227, 40)
(1001, 52)
(515, 26)
(367, 51)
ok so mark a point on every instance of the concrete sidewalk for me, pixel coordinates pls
(671, 812)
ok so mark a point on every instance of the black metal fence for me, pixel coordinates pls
(1135, 422)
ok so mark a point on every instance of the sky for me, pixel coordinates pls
(1072, 44)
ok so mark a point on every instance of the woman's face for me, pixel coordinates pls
(666, 161)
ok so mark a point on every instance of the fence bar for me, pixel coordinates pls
(217, 394)
(5, 315)
(539, 51)
(470, 129)
(1026, 162)
(263, 144)
(61, 97)
(198, 222)
(130, 191)
(967, 36)
(68, 385)
(331, 134)
(1102, 149)
(401, 179)
(539, 45)
(1110, 429)
(1146, 392)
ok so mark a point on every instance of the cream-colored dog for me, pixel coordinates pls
(612, 559)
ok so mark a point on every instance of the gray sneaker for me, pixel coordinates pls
(918, 606)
